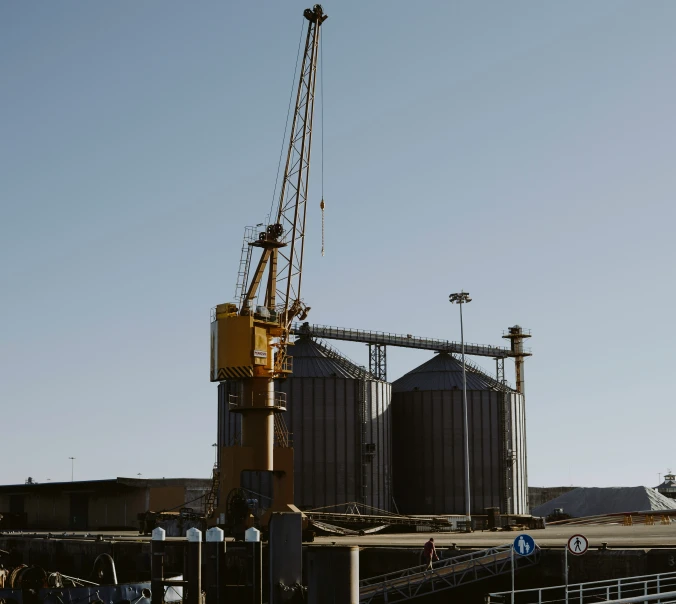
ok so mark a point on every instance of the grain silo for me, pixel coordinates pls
(427, 440)
(339, 417)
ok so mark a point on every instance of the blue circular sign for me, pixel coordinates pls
(524, 545)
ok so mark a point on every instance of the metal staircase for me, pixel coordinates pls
(411, 583)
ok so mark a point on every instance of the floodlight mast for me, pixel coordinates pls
(463, 298)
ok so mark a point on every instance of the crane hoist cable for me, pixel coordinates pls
(321, 205)
(321, 84)
(286, 124)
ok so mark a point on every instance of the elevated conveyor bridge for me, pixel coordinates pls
(379, 340)
(404, 341)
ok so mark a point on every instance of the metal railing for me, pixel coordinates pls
(445, 574)
(286, 365)
(282, 434)
(344, 361)
(258, 400)
(405, 341)
(594, 591)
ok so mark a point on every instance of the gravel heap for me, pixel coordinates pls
(594, 501)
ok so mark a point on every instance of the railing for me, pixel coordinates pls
(526, 333)
(445, 574)
(405, 341)
(212, 495)
(662, 517)
(260, 313)
(594, 591)
(260, 400)
(282, 434)
(343, 360)
(286, 365)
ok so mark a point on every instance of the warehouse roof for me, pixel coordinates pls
(443, 372)
(106, 483)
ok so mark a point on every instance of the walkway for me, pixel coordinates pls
(446, 574)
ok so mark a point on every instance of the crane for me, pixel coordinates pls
(249, 341)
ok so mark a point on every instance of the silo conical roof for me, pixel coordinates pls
(313, 360)
(443, 372)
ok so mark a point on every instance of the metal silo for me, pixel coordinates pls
(339, 418)
(427, 439)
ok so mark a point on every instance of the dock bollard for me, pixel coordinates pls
(157, 566)
(252, 537)
(333, 575)
(194, 567)
(215, 554)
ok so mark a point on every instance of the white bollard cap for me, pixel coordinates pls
(252, 535)
(194, 534)
(159, 534)
(215, 534)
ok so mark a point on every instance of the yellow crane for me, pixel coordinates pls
(248, 340)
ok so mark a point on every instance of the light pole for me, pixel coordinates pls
(72, 467)
(460, 299)
(215, 446)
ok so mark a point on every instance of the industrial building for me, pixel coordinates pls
(96, 504)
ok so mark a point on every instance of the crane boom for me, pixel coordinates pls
(293, 194)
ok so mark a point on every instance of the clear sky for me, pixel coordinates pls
(522, 151)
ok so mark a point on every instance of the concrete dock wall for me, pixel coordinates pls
(132, 558)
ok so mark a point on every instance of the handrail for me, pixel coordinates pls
(472, 556)
(278, 401)
(649, 598)
(577, 592)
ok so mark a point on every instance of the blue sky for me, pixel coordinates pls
(521, 151)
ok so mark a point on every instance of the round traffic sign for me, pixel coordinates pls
(524, 545)
(578, 545)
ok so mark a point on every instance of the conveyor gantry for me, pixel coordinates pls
(404, 341)
(378, 340)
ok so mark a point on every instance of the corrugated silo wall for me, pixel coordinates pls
(520, 474)
(323, 417)
(229, 424)
(428, 460)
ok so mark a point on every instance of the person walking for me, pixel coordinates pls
(429, 554)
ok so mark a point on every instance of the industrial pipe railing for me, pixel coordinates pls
(641, 587)
(237, 402)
